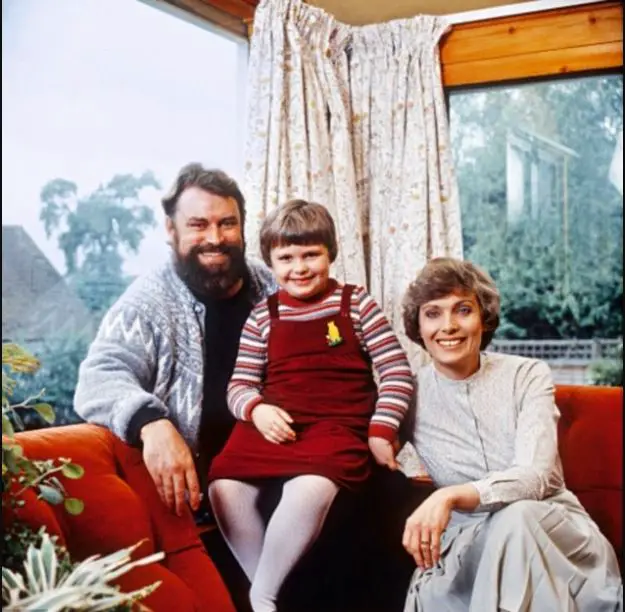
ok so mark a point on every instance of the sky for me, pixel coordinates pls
(94, 88)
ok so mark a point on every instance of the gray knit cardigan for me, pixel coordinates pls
(148, 352)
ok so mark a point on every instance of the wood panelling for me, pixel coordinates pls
(524, 66)
(241, 9)
(566, 40)
(208, 11)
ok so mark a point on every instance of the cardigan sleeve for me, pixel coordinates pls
(115, 378)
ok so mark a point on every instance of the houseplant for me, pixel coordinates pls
(37, 573)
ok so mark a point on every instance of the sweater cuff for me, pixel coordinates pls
(488, 503)
(143, 416)
(379, 430)
(246, 415)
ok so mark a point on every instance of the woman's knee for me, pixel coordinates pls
(520, 516)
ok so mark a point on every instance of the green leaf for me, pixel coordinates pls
(34, 570)
(13, 580)
(49, 560)
(30, 470)
(7, 426)
(73, 505)
(13, 446)
(19, 359)
(45, 411)
(8, 384)
(10, 459)
(73, 471)
(50, 494)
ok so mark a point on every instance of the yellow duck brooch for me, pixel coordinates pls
(334, 335)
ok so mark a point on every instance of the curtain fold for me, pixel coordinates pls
(354, 118)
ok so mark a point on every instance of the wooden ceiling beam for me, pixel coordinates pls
(241, 9)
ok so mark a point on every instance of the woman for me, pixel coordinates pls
(501, 532)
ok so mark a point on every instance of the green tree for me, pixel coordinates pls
(60, 359)
(559, 269)
(96, 231)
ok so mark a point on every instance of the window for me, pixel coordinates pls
(540, 175)
(103, 102)
(542, 215)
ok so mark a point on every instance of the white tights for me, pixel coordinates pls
(268, 554)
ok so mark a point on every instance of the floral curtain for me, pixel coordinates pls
(298, 124)
(354, 118)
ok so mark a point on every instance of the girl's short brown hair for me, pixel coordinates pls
(443, 276)
(298, 222)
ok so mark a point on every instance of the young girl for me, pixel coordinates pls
(309, 410)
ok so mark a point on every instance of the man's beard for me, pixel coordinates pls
(214, 281)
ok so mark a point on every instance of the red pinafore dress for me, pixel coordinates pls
(317, 372)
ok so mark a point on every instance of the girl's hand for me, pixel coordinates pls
(383, 452)
(273, 423)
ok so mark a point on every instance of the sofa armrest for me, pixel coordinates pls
(122, 507)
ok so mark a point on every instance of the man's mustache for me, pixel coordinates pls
(210, 248)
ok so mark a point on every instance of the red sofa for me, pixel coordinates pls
(122, 506)
(591, 448)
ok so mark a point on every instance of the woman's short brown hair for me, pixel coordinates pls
(443, 276)
(298, 222)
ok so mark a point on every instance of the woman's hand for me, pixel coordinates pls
(425, 526)
(273, 423)
(383, 452)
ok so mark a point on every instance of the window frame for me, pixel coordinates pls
(562, 41)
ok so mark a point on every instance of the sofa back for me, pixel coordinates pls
(591, 449)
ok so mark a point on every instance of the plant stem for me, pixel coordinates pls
(39, 479)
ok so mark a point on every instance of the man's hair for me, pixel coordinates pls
(216, 182)
(443, 276)
(298, 222)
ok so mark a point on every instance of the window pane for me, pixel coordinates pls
(542, 211)
(103, 102)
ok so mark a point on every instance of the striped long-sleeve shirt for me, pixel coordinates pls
(376, 337)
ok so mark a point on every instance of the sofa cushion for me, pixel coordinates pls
(114, 516)
(591, 448)
(171, 533)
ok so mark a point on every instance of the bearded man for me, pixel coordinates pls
(156, 373)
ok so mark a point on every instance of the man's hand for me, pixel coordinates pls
(273, 423)
(383, 452)
(170, 463)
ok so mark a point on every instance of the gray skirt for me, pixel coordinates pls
(534, 556)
